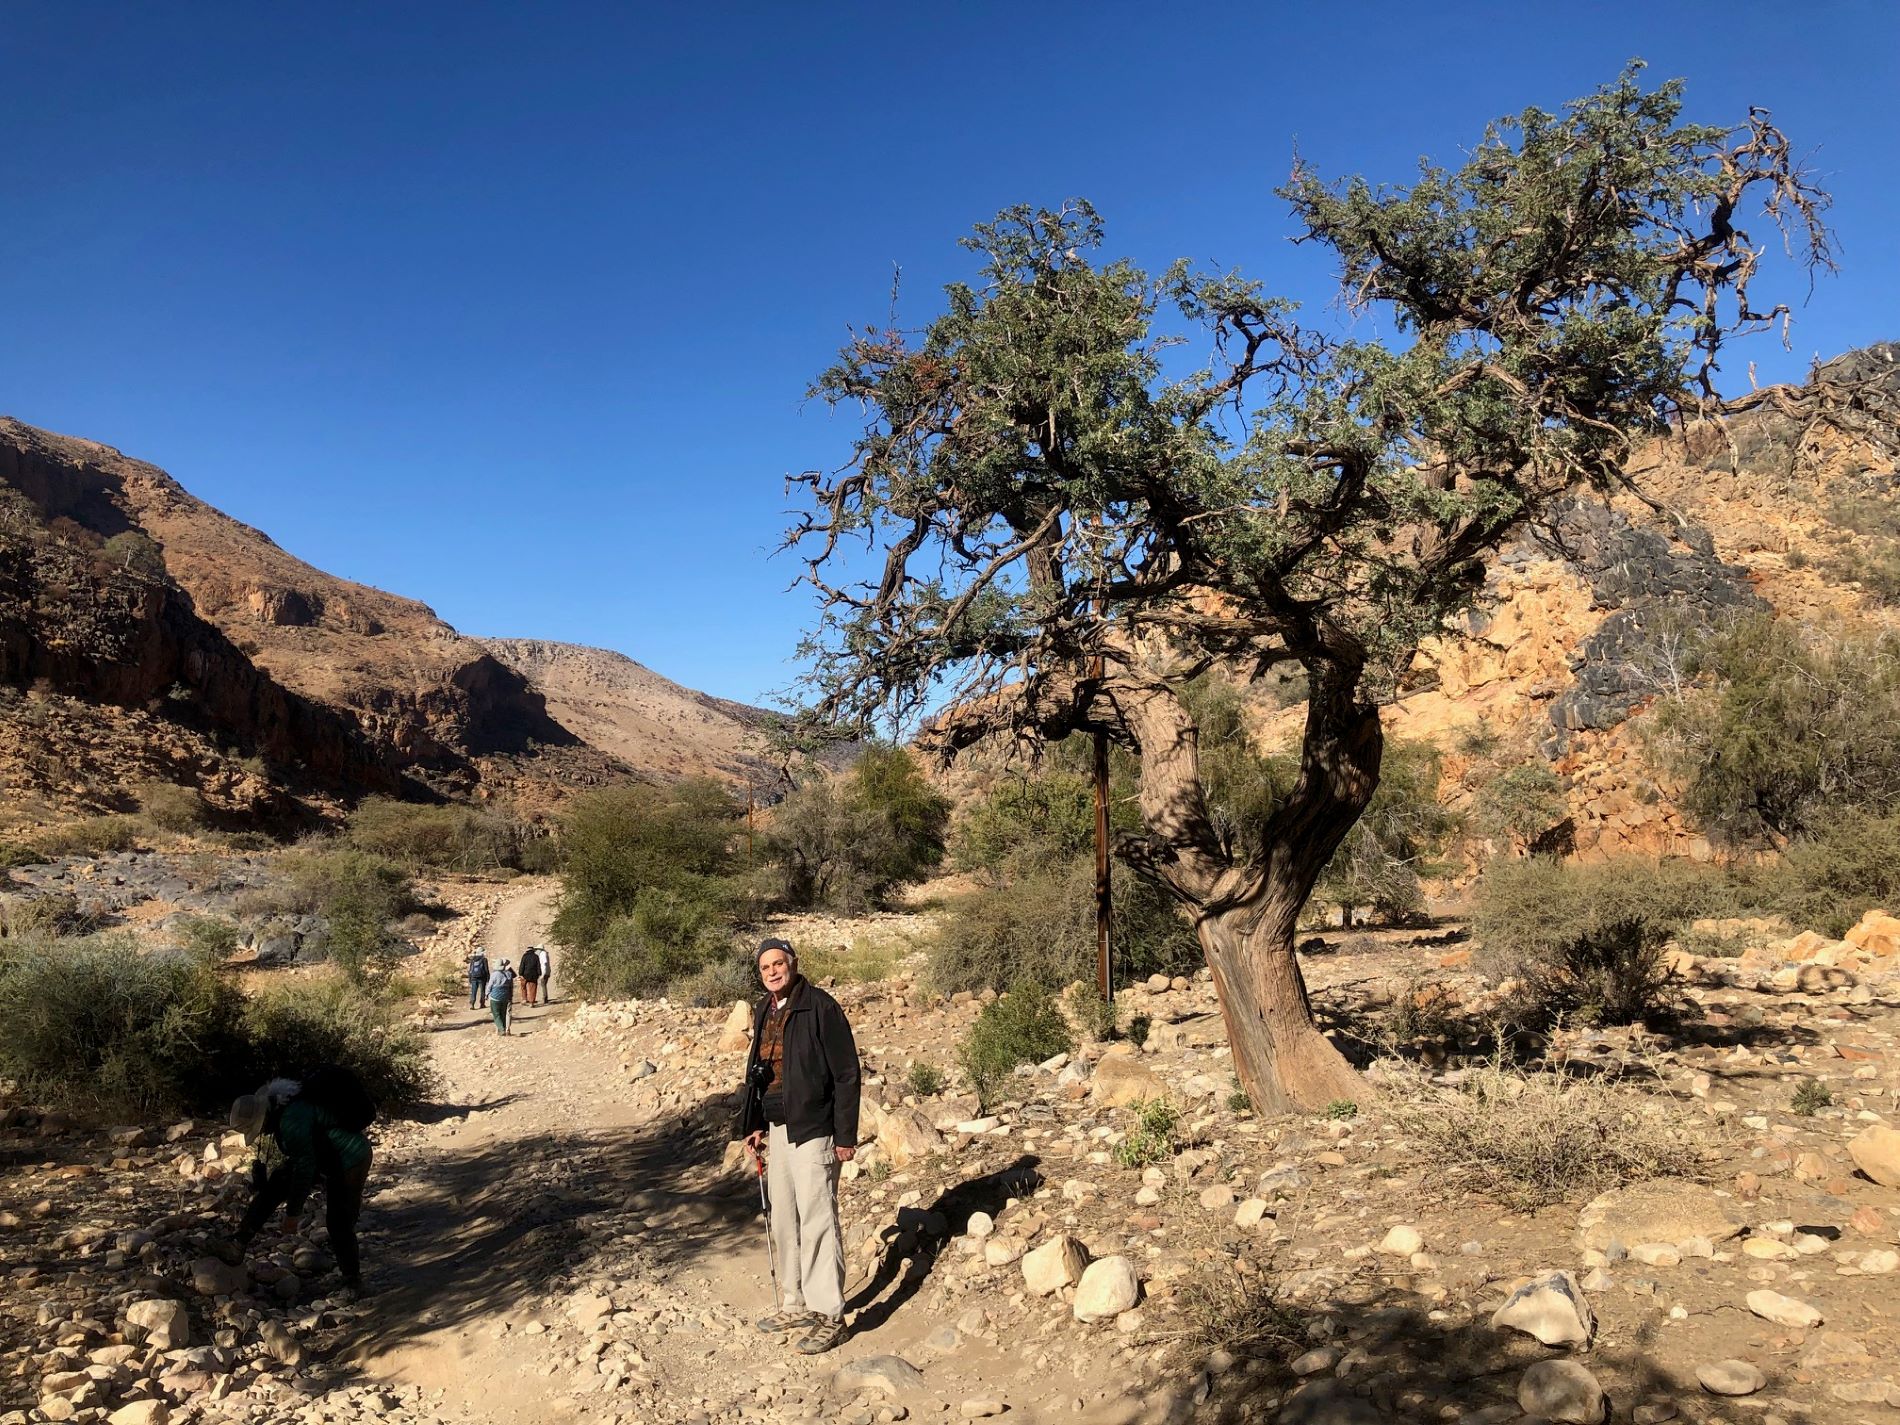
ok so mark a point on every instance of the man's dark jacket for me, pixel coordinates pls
(821, 1070)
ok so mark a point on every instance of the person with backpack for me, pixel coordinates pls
(530, 975)
(320, 1125)
(501, 993)
(477, 977)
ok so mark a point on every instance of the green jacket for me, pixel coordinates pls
(314, 1145)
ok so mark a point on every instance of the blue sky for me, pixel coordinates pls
(511, 308)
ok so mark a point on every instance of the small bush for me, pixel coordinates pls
(1341, 1109)
(924, 1080)
(1093, 1017)
(1391, 846)
(134, 549)
(1520, 805)
(210, 937)
(1811, 1097)
(358, 895)
(1529, 910)
(1138, 1030)
(722, 979)
(166, 806)
(1230, 1307)
(1529, 1140)
(45, 915)
(1834, 874)
(866, 960)
(1239, 1102)
(670, 937)
(1610, 974)
(329, 1020)
(1024, 1026)
(1152, 1140)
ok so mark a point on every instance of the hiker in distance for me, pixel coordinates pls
(477, 977)
(530, 974)
(501, 994)
(319, 1125)
(800, 1113)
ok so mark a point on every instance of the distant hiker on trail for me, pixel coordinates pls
(319, 1125)
(477, 977)
(530, 974)
(800, 1113)
(501, 993)
(547, 976)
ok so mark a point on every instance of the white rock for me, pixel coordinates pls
(981, 1224)
(141, 1412)
(1783, 1310)
(166, 1324)
(1730, 1378)
(1401, 1241)
(1656, 1254)
(1250, 1213)
(1108, 1288)
(1552, 1308)
(1054, 1265)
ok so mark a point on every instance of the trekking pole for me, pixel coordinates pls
(771, 1253)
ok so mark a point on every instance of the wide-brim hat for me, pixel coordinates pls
(247, 1115)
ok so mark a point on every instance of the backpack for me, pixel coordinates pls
(501, 989)
(340, 1093)
(478, 968)
(530, 966)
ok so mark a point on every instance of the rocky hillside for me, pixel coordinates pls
(146, 636)
(630, 712)
(1590, 615)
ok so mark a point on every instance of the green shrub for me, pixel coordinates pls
(1341, 1109)
(1530, 909)
(723, 978)
(15, 854)
(1152, 1140)
(358, 895)
(626, 843)
(440, 838)
(329, 1020)
(1138, 1029)
(1831, 875)
(1024, 1026)
(1239, 1102)
(166, 806)
(1391, 846)
(924, 1080)
(210, 937)
(96, 1026)
(1035, 819)
(1610, 974)
(1040, 925)
(847, 842)
(1785, 730)
(1521, 804)
(1094, 1017)
(1811, 1097)
(134, 549)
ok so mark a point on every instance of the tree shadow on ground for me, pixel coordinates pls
(1398, 1357)
(431, 1113)
(913, 1242)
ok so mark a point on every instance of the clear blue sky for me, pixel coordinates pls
(510, 308)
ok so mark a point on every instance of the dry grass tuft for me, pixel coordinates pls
(1530, 1140)
(1232, 1307)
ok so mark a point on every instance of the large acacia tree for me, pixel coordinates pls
(1069, 535)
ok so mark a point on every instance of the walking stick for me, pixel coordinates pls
(765, 1206)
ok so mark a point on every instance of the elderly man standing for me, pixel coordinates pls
(801, 1114)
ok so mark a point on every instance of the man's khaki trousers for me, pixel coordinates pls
(803, 1181)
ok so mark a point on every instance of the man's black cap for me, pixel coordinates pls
(774, 943)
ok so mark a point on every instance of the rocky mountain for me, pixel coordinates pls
(1589, 616)
(145, 635)
(630, 712)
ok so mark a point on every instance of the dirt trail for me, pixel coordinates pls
(534, 1184)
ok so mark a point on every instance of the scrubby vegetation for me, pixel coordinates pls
(1152, 1139)
(846, 842)
(461, 839)
(1023, 1027)
(1528, 1140)
(649, 895)
(100, 1027)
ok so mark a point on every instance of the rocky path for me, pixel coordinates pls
(547, 1245)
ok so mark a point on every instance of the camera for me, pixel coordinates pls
(760, 1076)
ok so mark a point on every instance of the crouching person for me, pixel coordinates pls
(319, 1127)
(801, 1114)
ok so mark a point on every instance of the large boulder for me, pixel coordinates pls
(166, 1324)
(904, 1135)
(1054, 1265)
(893, 1375)
(1107, 1289)
(1876, 1152)
(1122, 1079)
(1667, 1210)
(1878, 933)
(737, 1031)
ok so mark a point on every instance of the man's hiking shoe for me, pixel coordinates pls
(787, 1319)
(827, 1333)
